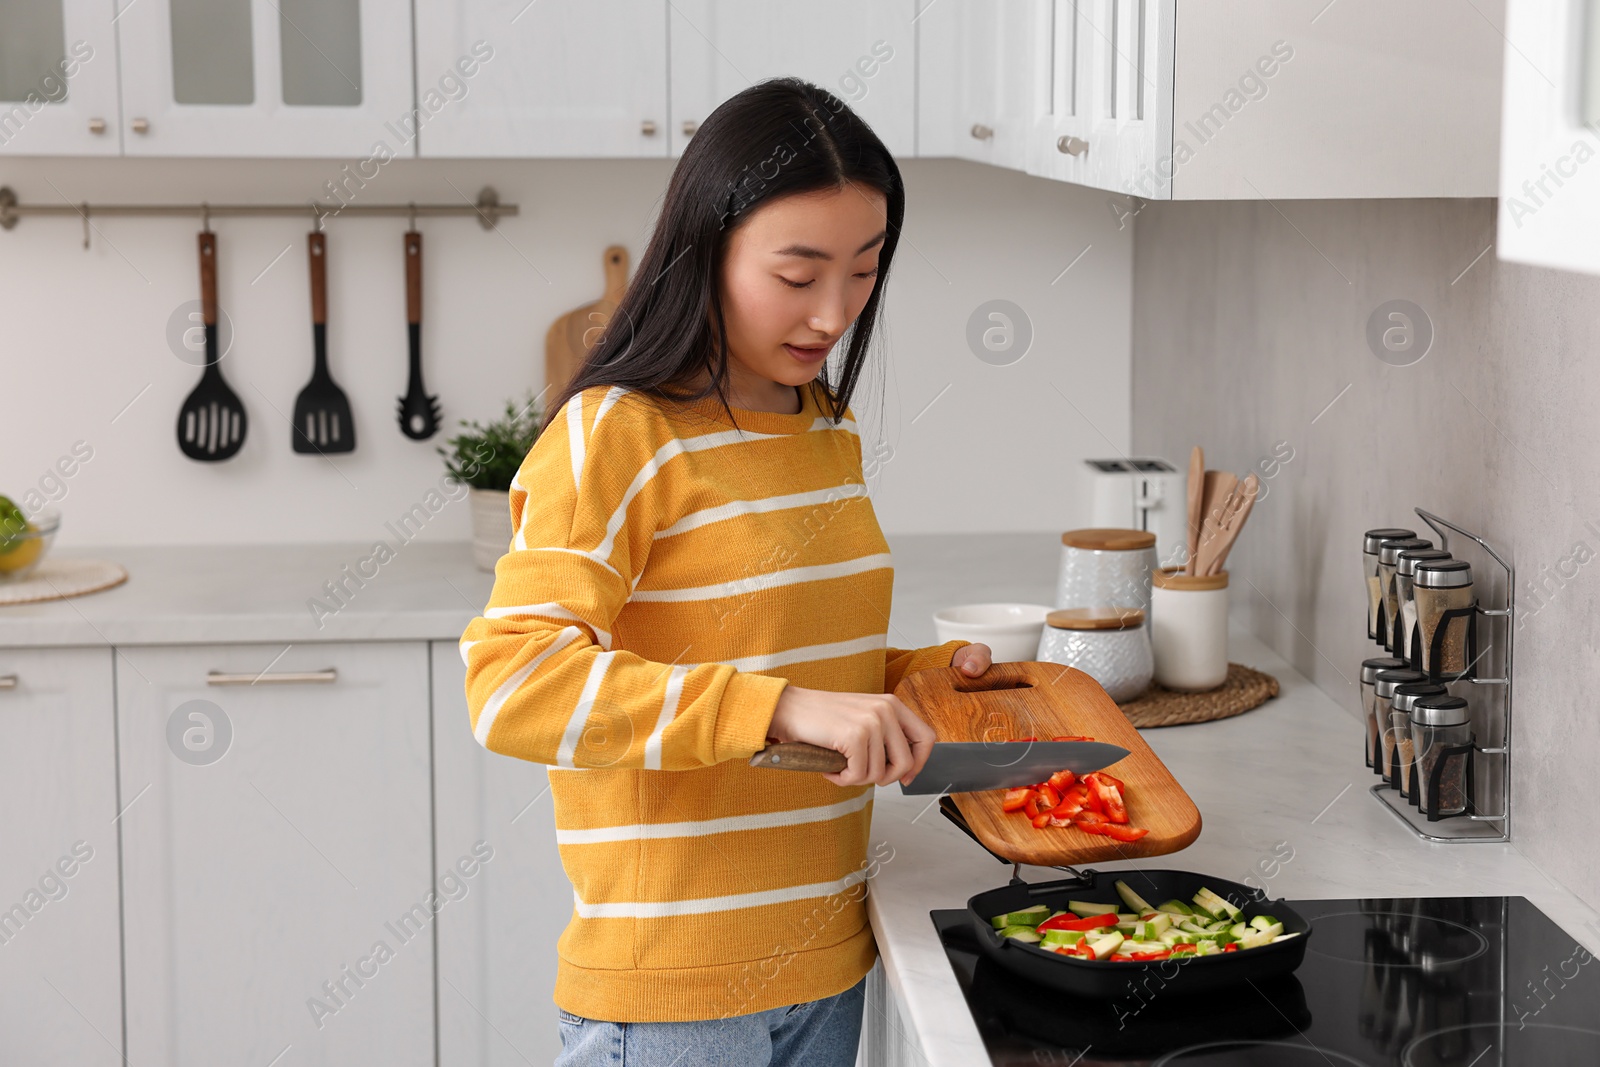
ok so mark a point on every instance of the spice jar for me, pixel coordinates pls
(1383, 687)
(1405, 594)
(1369, 702)
(1443, 585)
(1110, 645)
(1369, 553)
(1438, 723)
(1400, 704)
(1388, 561)
(1106, 568)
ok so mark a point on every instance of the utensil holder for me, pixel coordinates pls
(1189, 629)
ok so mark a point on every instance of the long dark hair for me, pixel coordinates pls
(780, 137)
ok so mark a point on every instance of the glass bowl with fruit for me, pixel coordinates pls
(24, 541)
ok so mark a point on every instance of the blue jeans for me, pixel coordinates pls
(817, 1033)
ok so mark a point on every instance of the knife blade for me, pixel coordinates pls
(962, 766)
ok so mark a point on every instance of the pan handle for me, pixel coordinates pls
(798, 756)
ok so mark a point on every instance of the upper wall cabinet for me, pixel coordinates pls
(863, 51)
(1549, 196)
(1241, 99)
(58, 79)
(985, 79)
(268, 78)
(555, 78)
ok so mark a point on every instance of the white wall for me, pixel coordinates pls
(1250, 330)
(84, 354)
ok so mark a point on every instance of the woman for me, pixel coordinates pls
(696, 571)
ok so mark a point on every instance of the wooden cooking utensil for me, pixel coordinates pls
(1047, 700)
(1244, 498)
(1218, 486)
(322, 421)
(571, 336)
(1197, 479)
(212, 421)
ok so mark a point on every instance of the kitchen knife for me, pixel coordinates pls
(963, 766)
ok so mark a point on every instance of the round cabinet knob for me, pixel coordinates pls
(648, 127)
(141, 125)
(1072, 146)
(689, 127)
(981, 132)
(97, 126)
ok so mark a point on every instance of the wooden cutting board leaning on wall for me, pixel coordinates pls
(572, 335)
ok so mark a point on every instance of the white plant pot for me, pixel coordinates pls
(491, 526)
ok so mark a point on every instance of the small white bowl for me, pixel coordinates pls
(1011, 631)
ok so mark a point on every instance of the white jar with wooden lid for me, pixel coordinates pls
(1189, 629)
(1106, 568)
(1110, 645)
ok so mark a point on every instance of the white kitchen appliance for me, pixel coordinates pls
(1142, 494)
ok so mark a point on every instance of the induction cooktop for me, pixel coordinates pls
(1399, 982)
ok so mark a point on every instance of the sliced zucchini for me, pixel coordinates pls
(1026, 934)
(1132, 899)
(1105, 946)
(1088, 908)
(1285, 937)
(1257, 938)
(1027, 916)
(1261, 922)
(1175, 907)
(1051, 938)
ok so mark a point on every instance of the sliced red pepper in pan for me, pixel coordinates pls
(1073, 922)
(1141, 956)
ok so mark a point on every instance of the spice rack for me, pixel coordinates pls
(1473, 824)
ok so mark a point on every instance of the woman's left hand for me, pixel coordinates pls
(973, 659)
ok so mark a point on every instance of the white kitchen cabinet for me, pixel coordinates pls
(278, 886)
(1549, 210)
(284, 78)
(497, 945)
(863, 51)
(58, 79)
(60, 965)
(984, 82)
(556, 78)
(1243, 99)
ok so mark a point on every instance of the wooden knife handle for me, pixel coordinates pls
(317, 251)
(413, 276)
(208, 277)
(797, 756)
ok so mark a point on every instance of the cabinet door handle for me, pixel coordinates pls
(690, 126)
(140, 125)
(648, 127)
(1072, 146)
(981, 132)
(281, 678)
(8, 681)
(97, 126)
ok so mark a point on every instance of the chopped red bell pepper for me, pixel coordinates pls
(1180, 946)
(1073, 922)
(1044, 798)
(1015, 798)
(1120, 832)
(1107, 797)
(1084, 951)
(1164, 954)
(1062, 781)
(1232, 946)
(1072, 737)
(1030, 737)
(1041, 820)
(1089, 816)
(1063, 813)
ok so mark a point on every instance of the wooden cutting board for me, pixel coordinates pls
(1045, 700)
(571, 336)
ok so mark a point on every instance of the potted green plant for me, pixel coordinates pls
(486, 458)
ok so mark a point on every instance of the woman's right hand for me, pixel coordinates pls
(882, 739)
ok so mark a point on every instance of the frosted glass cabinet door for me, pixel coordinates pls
(60, 965)
(266, 78)
(1549, 205)
(863, 51)
(58, 79)
(553, 78)
(497, 946)
(278, 890)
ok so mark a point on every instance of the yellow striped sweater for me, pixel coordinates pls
(668, 576)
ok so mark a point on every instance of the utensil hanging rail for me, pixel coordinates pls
(488, 210)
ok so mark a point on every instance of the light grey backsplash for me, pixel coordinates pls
(1249, 337)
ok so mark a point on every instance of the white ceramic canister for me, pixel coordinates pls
(1103, 568)
(1110, 645)
(1189, 629)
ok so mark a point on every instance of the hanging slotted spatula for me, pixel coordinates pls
(322, 421)
(419, 412)
(212, 422)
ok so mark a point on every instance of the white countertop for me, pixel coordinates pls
(260, 593)
(1289, 771)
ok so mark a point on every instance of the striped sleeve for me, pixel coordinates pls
(899, 662)
(543, 682)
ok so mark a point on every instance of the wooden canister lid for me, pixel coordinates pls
(1173, 578)
(1096, 618)
(1109, 540)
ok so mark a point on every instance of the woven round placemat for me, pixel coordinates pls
(57, 577)
(1244, 689)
